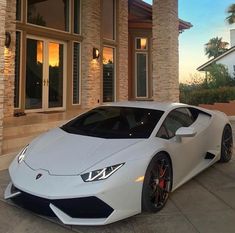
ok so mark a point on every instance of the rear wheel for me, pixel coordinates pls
(157, 183)
(226, 144)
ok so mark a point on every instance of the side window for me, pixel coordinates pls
(176, 119)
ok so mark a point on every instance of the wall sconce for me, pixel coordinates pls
(96, 53)
(7, 39)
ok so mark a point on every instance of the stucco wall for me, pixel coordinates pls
(229, 62)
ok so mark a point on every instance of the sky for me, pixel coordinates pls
(208, 19)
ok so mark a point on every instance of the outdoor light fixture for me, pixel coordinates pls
(7, 39)
(96, 53)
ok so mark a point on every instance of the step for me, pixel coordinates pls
(15, 138)
(14, 143)
(14, 131)
(5, 160)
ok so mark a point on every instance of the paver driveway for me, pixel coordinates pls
(205, 204)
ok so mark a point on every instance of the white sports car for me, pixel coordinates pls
(117, 160)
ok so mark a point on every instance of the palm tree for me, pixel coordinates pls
(215, 47)
(231, 11)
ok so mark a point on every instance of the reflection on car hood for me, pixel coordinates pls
(61, 153)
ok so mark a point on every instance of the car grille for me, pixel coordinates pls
(86, 207)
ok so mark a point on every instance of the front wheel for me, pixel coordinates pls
(226, 145)
(157, 183)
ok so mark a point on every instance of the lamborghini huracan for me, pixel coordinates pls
(117, 160)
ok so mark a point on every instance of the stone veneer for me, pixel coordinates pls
(91, 69)
(2, 65)
(10, 26)
(122, 50)
(165, 50)
(7, 62)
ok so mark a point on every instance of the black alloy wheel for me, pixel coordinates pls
(157, 183)
(226, 144)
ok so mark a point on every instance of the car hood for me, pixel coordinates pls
(61, 153)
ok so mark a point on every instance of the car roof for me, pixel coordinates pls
(162, 106)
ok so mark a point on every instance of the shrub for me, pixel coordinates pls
(218, 76)
(207, 96)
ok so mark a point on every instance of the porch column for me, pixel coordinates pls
(91, 72)
(122, 33)
(165, 50)
(2, 46)
(9, 68)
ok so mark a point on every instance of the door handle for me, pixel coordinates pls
(45, 82)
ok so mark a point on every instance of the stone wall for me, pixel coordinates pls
(122, 50)
(10, 26)
(2, 64)
(91, 69)
(165, 50)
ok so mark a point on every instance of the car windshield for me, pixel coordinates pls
(115, 122)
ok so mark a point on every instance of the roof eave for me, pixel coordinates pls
(205, 65)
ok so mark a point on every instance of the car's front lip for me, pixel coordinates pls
(82, 211)
(120, 191)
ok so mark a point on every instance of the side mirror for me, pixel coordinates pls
(186, 132)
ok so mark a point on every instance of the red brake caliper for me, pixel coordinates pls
(161, 180)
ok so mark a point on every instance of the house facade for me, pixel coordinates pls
(227, 59)
(62, 55)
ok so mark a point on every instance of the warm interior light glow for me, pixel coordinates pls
(107, 56)
(39, 51)
(54, 54)
(143, 43)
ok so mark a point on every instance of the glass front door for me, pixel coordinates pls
(45, 71)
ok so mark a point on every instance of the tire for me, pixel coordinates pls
(157, 183)
(226, 145)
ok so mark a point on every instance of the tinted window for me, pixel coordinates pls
(108, 19)
(178, 118)
(115, 122)
(49, 13)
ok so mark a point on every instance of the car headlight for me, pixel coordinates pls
(101, 174)
(22, 154)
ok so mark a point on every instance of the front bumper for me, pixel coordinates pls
(69, 211)
(73, 201)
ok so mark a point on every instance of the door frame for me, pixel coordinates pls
(45, 89)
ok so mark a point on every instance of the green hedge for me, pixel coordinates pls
(207, 96)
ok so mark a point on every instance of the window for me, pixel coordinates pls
(108, 74)
(141, 74)
(141, 44)
(76, 73)
(176, 119)
(17, 70)
(115, 122)
(49, 13)
(77, 19)
(141, 67)
(18, 10)
(108, 19)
